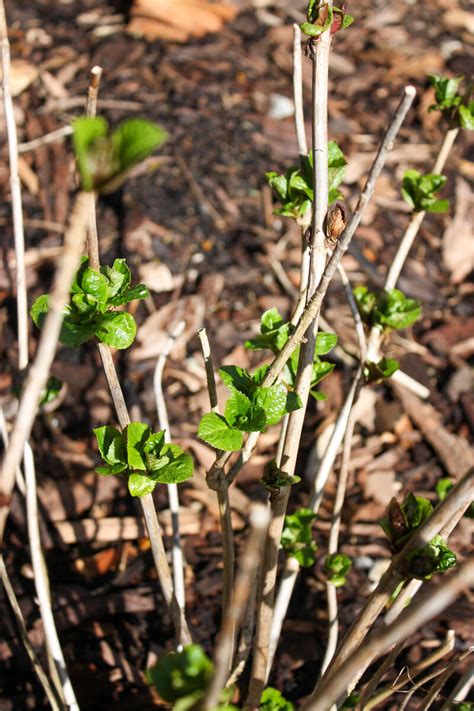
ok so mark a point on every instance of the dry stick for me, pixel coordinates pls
(53, 137)
(418, 685)
(279, 499)
(408, 675)
(378, 675)
(173, 498)
(220, 485)
(380, 641)
(21, 298)
(146, 502)
(461, 689)
(12, 599)
(443, 519)
(441, 681)
(39, 371)
(251, 560)
(42, 584)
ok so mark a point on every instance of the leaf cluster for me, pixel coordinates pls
(435, 557)
(322, 17)
(143, 455)
(273, 700)
(376, 372)
(390, 310)
(104, 157)
(274, 477)
(337, 566)
(402, 519)
(297, 536)
(419, 191)
(274, 333)
(250, 408)
(449, 101)
(94, 297)
(295, 188)
(443, 487)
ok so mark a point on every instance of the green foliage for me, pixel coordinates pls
(250, 408)
(274, 333)
(273, 700)
(104, 158)
(143, 456)
(376, 372)
(274, 477)
(402, 519)
(443, 487)
(295, 188)
(91, 309)
(351, 702)
(337, 566)
(435, 557)
(322, 17)
(297, 536)
(181, 678)
(419, 191)
(458, 110)
(390, 310)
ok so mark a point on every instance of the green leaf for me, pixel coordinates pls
(117, 329)
(310, 29)
(39, 309)
(137, 292)
(293, 402)
(92, 148)
(178, 675)
(446, 91)
(51, 391)
(366, 301)
(419, 191)
(118, 277)
(238, 408)
(137, 435)
(347, 20)
(152, 452)
(297, 536)
(237, 378)
(135, 139)
(271, 320)
(214, 430)
(325, 342)
(74, 333)
(95, 284)
(435, 557)
(272, 401)
(376, 372)
(111, 469)
(275, 478)
(466, 116)
(273, 700)
(337, 566)
(140, 484)
(394, 310)
(179, 466)
(111, 444)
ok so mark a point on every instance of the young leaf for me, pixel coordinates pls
(238, 409)
(153, 452)
(236, 378)
(419, 191)
(140, 484)
(273, 700)
(137, 292)
(443, 487)
(135, 139)
(394, 310)
(178, 468)
(181, 675)
(272, 401)
(73, 332)
(466, 116)
(118, 277)
(376, 372)
(111, 444)
(116, 329)
(137, 435)
(94, 284)
(39, 309)
(325, 342)
(215, 430)
(274, 478)
(297, 536)
(435, 557)
(90, 146)
(337, 566)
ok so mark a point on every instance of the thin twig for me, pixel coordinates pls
(442, 679)
(461, 690)
(15, 187)
(53, 137)
(42, 583)
(173, 497)
(378, 675)
(91, 111)
(220, 485)
(380, 641)
(251, 560)
(39, 371)
(409, 674)
(298, 93)
(39, 671)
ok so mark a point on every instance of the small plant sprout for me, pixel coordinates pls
(273, 700)
(402, 519)
(104, 158)
(456, 108)
(322, 17)
(92, 311)
(337, 565)
(419, 191)
(250, 408)
(390, 310)
(297, 537)
(295, 188)
(143, 456)
(435, 557)
(274, 333)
